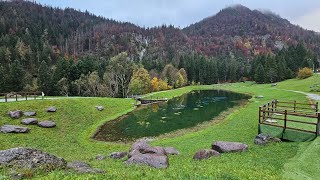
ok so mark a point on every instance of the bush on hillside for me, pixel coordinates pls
(304, 73)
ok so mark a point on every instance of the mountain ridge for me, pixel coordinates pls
(235, 30)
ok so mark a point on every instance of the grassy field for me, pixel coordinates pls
(77, 120)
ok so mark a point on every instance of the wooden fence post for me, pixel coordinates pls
(26, 96)
(294, 106)
(16, 97)
(318, 125)
(317, 107)
(6, 97)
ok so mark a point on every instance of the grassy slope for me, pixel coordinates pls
(300, 85)
(77, 119)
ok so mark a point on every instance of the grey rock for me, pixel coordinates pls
(152, 160)
(47, 124)
(29, 121)
(14, 129)
(273, 85)
(82, 167)
(224, 147)
(118, 155)
(205, 154)
(100, 157)
(30, 113)
(171, 151)
(260, 96)
(139, 145)
(15, 114)
(153, 150)
(264, 139)
(100, 108)
(28, 158)
(52, 109)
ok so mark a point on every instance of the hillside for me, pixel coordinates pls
(238, 30)
(249, 32)
(44, 49)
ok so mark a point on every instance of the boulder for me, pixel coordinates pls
(152, 160)
(139, 145)
(263, 139)
(225, 147)
(273, 85)
(171, 151)
(260, 96)
(118, 155)
(52, 109)
(153, 150)
(205, 154)
(143, 147)
(29, 121)
(28, 158)
(13, 129)
(100, 108)
(30, 113)
(100, 157)
(47, 124)
(82, 167)
(15, 114)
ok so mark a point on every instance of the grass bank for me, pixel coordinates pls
(77, 119)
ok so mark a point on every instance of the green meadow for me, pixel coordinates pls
(77, 120)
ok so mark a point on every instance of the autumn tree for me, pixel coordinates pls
(155, 84)
(140, 82)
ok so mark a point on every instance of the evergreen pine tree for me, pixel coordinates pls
(259, 76)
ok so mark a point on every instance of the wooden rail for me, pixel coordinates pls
(17, 95)
(269, 110)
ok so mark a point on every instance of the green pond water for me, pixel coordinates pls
(181, 112)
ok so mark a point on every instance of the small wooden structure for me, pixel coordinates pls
(21, 95)
(291, 115)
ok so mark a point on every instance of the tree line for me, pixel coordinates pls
(122, 75)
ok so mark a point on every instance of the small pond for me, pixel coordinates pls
(181, 112)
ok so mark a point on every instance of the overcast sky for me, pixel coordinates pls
(181, 13)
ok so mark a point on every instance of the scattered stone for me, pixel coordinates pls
(14, 129)
(47, 124)
(15, 114)
(100, 157)
(139, 145)
(100, 108)
(29, 121)
(260, 96)
(153, 160)
(143, 154)
(30, 113)
(118, 155)
(28, 158)
(224, 147)
(205, 154)
(263, 139)
(82, 167)
(171, 151)
(52, 109)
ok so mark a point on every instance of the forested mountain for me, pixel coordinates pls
(45, 48)
(240, 30)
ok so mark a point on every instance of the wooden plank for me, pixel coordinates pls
(289, 128)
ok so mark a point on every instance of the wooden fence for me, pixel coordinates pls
(21, 95)
(294, 113)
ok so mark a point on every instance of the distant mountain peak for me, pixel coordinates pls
(238, 7)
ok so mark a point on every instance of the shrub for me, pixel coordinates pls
(304, 73)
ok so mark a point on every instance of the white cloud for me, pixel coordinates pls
(310, 20)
